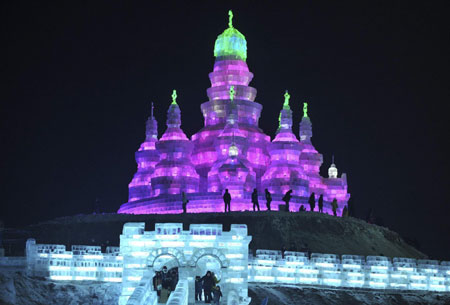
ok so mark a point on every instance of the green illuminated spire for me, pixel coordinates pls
(231, 42)
(286, 100)
(305, 110)
(230, 19)
(174, 96)
(232, 93)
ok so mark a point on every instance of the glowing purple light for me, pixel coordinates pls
(203, 167)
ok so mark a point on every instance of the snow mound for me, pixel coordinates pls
(295, 295)
(18, 289)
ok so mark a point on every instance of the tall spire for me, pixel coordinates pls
(174, 96)
(286, 100)
(305, 125)
(230, 19)
(151, 127)
(174, 113)
(305, 110)
(285, 118)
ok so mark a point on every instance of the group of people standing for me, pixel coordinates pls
(208, 284)
(286, 198)
(164, 282)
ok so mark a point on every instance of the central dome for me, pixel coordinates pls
(231, 42)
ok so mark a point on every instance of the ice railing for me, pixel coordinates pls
(180, 295)
(144, 293)
(82, 263)
(377, 272)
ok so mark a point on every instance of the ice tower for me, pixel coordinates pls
(230, 70)
(310, 158)
(146, 159)
(230, 151)
(285, 172)
(174, 173)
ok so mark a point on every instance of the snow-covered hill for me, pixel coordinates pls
(322, 233)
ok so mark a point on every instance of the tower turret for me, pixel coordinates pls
(332, 171)
(174, 173)
(230, 70)
(146, 159)
(310, 158)
(336, 187)
(285, 171)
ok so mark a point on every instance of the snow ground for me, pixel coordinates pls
(18, 289)
(295, 295)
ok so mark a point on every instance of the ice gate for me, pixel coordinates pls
(204, 247)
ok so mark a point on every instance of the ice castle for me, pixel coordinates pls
(230, 151)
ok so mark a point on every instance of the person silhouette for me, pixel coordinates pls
(255, 199)
(287, 198)
(268, 199)
(227, 200)
(320, 203)
(312, 202)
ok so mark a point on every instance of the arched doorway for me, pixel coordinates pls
(207, 263)
(162, 260)
(213, 260)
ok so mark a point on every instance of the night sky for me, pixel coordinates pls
(78, 81)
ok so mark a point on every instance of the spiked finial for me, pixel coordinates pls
(286, 99)
(232, 93)
(152, 109)
(174, 96)
(332, 159)
(230, 19)
(305, 109)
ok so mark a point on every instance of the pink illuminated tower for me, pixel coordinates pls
(174, 173)
(230, 69)
(230, 151)
(310, 158)
(146, 159)
(285, 172)
(336, 187)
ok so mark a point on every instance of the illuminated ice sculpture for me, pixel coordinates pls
(230, 151)
(207, 247)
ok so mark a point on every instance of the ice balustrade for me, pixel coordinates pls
(144, 293)
(376, 272)
(82, 263)
(180, 295)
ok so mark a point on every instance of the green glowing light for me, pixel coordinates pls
(231, 42)
(174, 96)
(230, 19)
(305, 109)
(232, 93)
(286, 100)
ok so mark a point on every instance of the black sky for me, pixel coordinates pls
(78, 80)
